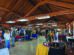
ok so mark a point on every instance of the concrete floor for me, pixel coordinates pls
(26, 47)
(29, 47)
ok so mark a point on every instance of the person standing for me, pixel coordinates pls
(7, 38)
(1, 40)
(21, 32)
(56, 36)
(13, 34)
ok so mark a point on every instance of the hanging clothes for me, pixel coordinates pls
(42, 50)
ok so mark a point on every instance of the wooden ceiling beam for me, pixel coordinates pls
(10, 11)
(8, 4)
(68, 1)
(7, 10)
(34, 8)
(4, 9)
(57, 13)
(16, 5)
(60, 4)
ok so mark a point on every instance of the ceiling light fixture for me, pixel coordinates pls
(39, 24)
(10, 21)
(22, 20)
(43, 17)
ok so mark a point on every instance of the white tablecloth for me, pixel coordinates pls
(69, 37)
(4, 51)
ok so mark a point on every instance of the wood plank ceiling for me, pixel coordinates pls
(13, 10)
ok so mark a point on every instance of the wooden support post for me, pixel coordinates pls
(73, 29)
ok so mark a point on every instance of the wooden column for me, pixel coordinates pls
(73, 29)
(69, 28)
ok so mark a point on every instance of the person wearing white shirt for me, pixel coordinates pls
(7, 39)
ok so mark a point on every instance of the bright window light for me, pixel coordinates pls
(43, 17)
(10, 21)
(22, 20)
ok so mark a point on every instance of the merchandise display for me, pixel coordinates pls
(36, 27)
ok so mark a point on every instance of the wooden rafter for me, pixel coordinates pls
(34, 8)
(57, 13)
(67, 1)
(60, 4)
(8, 4)
(16, 4)
(4, 9)
(11, 11)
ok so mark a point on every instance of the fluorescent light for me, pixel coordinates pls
(22, 20)
(39, 24)
(10, 21)
(43, 17)
(30, 25)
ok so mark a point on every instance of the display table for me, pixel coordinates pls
(56, 51)
(53, 49)
(70, 38)
(70, 41)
